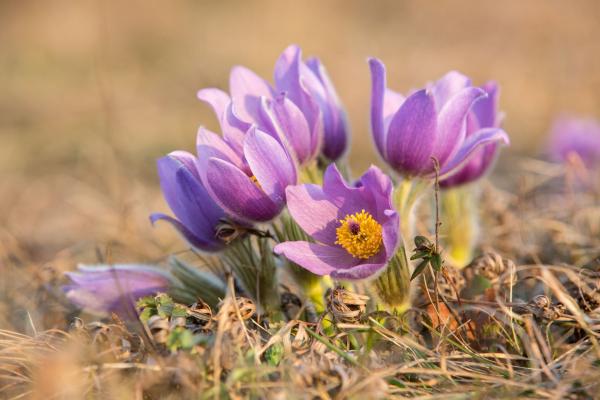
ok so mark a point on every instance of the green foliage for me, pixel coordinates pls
(425, 251)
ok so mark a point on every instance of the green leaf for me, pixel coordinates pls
(419, 269)
(147, 313)
(422, 241)
(420, 254)
(436, 261)
(165, 305)
(274, 354)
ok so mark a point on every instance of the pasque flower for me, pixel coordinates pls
(197, 214)
(302, 111)
(250, 187)
(483, 115)
(355, 226)
(103, 289)
(579, 137)
(409, 131)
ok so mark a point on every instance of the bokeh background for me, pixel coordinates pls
(93, 91)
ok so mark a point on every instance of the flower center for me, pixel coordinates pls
(360, 235)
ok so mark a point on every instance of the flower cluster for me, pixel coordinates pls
(276, 161)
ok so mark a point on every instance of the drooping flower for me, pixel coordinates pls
(484, 114)
(249, 187)
(355, 226)
(103, 289)
(302, 111)
(197, 214)
(578, 137)
(431, 122)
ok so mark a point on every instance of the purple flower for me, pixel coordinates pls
(355, 227)
(250, 186)
(409, 131)
(302, 111)
(309, 86)
(484, 114)
(197, 214)
(576, 136)
(104, 289)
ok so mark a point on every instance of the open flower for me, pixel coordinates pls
(576, 137)
(355, 227)
(103, 289)
(302, 111)
(431, 122)
(484, 114)
(197, 214)
(249, 187)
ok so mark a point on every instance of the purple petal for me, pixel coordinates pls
(290, 124)
(270, 164)
(412, 134)
(188, 236)
(314, 211)
(470, 145)
(448, 86)
(486, 109)
(361, 271)
(246, 88)
(233, 190)
(187, 159)
(217, 99)
(377, 104)
(317, 258)
(335, 124)
(451, 123)
(209, 144)
(478, 165)
(190, 202)
(297, 80)
(115, 289)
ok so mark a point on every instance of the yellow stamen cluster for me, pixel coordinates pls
(360, 235)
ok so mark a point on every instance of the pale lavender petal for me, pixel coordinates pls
(451, 128)
(317, 258)
(116, 288)
(448, 86)
(314, 211)
(361, 271)
(209, 144)
(271, 165)
(470, 145)
(412, 134)
(187, 159)
(246, 88)
(391, 104)
(217, 99)
(235, 192)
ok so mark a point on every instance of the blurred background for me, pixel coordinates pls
(94, 91)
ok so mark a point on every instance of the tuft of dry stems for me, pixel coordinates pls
(522, 320)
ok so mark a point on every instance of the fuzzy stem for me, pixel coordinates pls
(461, 224)
(393, 285)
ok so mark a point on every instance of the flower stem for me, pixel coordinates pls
(461, 224)
(393, 285)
